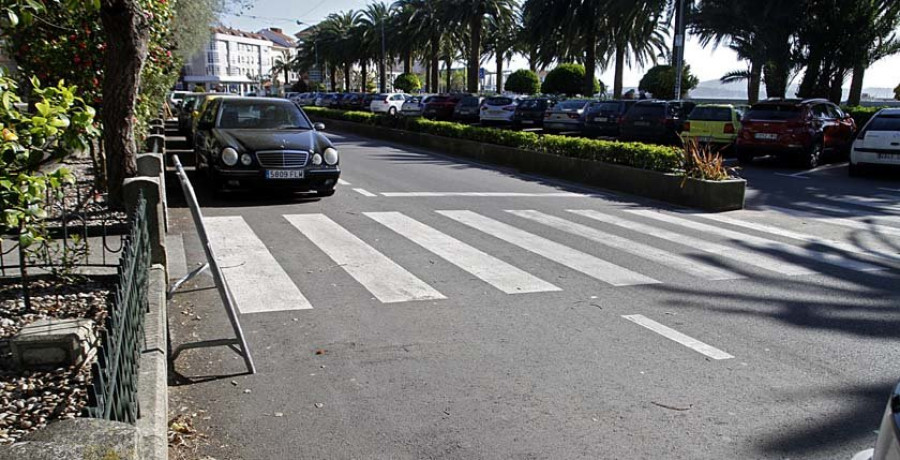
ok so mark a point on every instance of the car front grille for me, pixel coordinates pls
(282, 158)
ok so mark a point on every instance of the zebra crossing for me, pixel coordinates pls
(650, 247)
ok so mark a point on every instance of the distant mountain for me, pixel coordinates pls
(714, 89)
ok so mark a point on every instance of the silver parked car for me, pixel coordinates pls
(566, 116)
(414, 106)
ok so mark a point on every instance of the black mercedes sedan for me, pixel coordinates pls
(258, 142)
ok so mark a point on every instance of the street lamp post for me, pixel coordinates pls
(383, 76)
(316, 50)
(679, 47)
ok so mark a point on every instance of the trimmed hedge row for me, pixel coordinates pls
(861, 114)
(634, 154)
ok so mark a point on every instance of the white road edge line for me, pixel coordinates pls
(895, 190)
(256, 279)
(364, 192)
(488, 194)
(387, 281)
(820, 168)
(792, 176)
(343, 182)
(671, 334)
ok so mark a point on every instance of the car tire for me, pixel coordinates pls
(324, 193)
(812, 158)
(392, 111)
(854, 170)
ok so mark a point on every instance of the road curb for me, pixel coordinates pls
(153, 380)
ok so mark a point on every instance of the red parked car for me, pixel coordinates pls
(441, 107)
(805, 130)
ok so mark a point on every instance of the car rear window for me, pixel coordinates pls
(773, 112)
(439, 99)
(533, 104)
(655, 110)
(469, 101)
(498, 101)
(885, 123)
(710, 114)
(380, 97)
(605, 106)
(248, 114)
(414, 100)
(573, 104)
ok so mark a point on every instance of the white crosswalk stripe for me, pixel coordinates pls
(852, 212)
(678, 262)
(386, 280)
(758, 242)
(247, 264)
(693, 241)
(870, 227)
(764, 228)
(564, 255)
(493, 271)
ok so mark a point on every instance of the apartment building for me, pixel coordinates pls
(234, 61)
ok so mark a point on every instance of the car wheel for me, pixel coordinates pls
(854, 170)
(324, 193)
(392, 111)
(813, 156)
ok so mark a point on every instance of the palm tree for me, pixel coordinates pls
(472, 15)
(373, 22)
(637, 34)
(336, 39)
(423, 22)
(500, 40)
(283, 64)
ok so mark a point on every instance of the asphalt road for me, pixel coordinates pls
(414, 316)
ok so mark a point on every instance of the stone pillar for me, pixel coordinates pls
(151, 188)
(156, 143)
(153, 165)
(157, 129)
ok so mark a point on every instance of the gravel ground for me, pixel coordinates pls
(31, 399)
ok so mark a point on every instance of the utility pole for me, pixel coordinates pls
(679, 47)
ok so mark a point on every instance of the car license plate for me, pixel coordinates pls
(495, 112)
(766, 136)
(601, 119)
(284, 174)
(642, 123)
(889, 156)
(706, 139)
(527, 122)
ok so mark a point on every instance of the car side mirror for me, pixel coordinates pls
(319, 126)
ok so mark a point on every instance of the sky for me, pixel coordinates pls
(706, 63)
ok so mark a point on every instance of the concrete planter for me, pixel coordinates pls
(707, 195)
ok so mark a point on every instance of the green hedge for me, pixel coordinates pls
(861, 114)
(635, 154)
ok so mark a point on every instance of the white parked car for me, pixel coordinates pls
(414, 106)
(887, 445)
(498, 109)
(878, 143)
(389, 103)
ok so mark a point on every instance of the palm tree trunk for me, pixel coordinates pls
(590, 65)
(364, 74)
(449, 71)
(500, 72)
(532, 60)
(347, 77)
(856, 85)
(620, 71)
(407, 62)
(333, 78)
(285, 79)
(475, 28)
(753, 82)
(435, 72)
(813, 70)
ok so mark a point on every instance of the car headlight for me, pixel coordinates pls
(331, 156)
(246, 159)
(229, 156)
(316, 159)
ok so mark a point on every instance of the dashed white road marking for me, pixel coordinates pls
(343, 182)
(563, 255)
(489, 269)
(867, 202)
(487, 195)
(842, 221)
(734, 254)
(386, 280)
(671, 334)
(678, 262)
(257, 281)
(364, 192)
(758, 242)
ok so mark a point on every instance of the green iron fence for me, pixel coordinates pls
(113, 392)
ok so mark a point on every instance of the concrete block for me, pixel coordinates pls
(53, 342)
(153, 380)
(153, 165)
(77, 439)
(156, 143)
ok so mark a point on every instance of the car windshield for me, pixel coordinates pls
(570, 105)
(244, 114)
(773, 112)
(885, 123)
(710, 114)
(642, 110)
(498, 101)
(533, 104)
